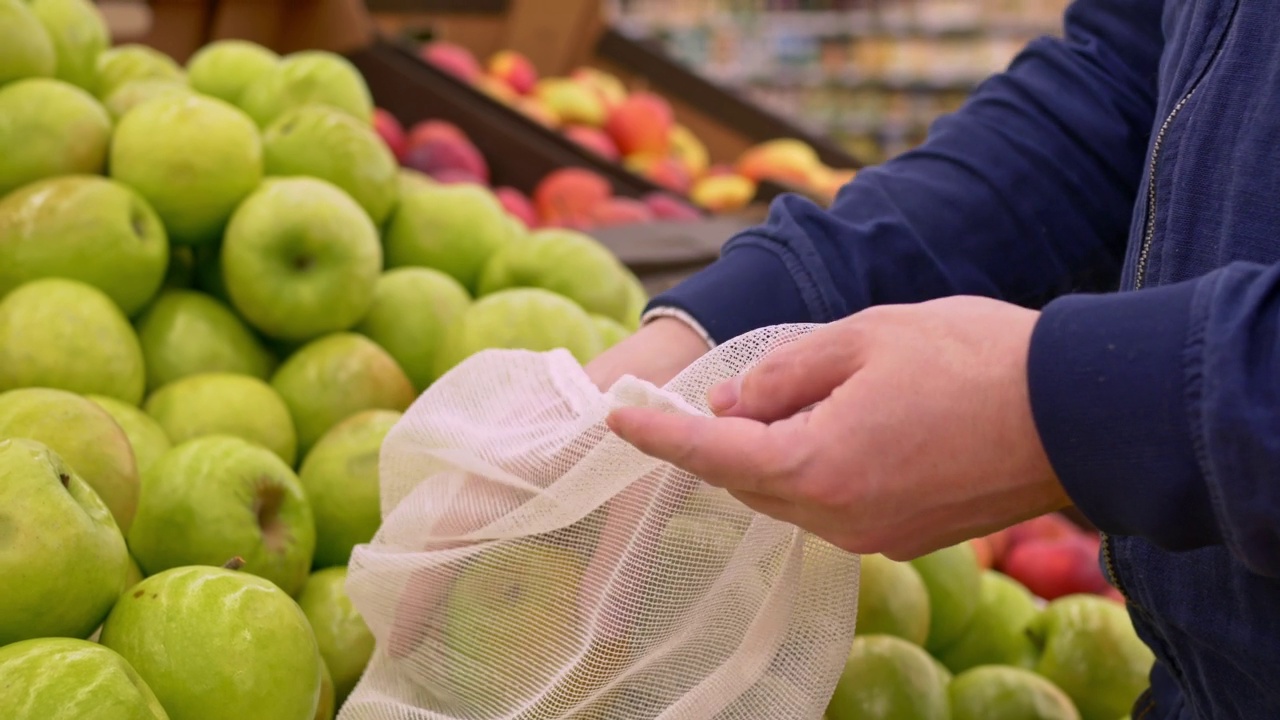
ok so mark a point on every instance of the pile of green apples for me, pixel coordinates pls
(943, 637)
(218, 293)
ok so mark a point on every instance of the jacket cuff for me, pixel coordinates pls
(1108, 382)
(747, 288)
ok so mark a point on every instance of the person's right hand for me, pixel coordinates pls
(656, 353)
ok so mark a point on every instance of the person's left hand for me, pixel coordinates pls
(920, 433)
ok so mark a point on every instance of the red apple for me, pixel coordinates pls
(516, 70)
(440, 155)
(453, 59)
(669, 207)
(1053, 568)
(1052, 526)
(593, 139)
(456, 176)
(518, 205)
(568, 197)
(621, 211)
(425, 130)
(391, 131)
(666, 171)
(641, 124)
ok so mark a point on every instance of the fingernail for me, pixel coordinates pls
(725, 395)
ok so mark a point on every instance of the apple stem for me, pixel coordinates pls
(234, 563)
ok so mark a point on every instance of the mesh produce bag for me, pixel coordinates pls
(532, 565)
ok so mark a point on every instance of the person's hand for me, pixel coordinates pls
(655, 353)
(920, 433)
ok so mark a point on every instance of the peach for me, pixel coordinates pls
(537, 111)
(518, 205)
(1058, 567)
(497, 89)
(569, 196)
(573, 103)
(621, 211)
(452, 59)
(689, 150)
(606, 86)
(594, 140)
(723, 193)
(785, 160)
(668, 207)
(641, 124)
(391, 131)
(514, 69)
(664, 171)
(425, 130)
(439, 156)
(719, 169)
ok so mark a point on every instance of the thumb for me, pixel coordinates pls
(787, 380)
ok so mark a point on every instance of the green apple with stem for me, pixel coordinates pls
(88, 228)
(453, 228)
(355, 158)
(132, 61)
(340, 477)
(215, 643)
(186, 332)
(345, 641)
(136, 92)
(225, 404)
(308, 77)
(26, 50)
(49, 128)
(334, 377)
(224, 68)
(194, 158)
(217, 496)
(53, 678)
(300, 259)
(413, 338)
(84, 435)
(63, 558)
(66, 334)
(79, 33)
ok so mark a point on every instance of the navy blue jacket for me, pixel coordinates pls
(1125, 179)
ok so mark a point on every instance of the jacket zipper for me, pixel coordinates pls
(1144, 254)
(1108, 559)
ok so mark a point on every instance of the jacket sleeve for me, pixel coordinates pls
(1024, 193)
(1160, 410)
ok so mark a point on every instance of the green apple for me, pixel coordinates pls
(892, 600)
(997, 634)
(132, 61)
(345, 641)
(79, 34)
(355, 158)
(565, 262)
(216, 644)
(47, 128)
(26, 49)
(66, 334)
(224, 68)
(1090, 649)
(85, 228)
(334, 377)
(412, 309)
(185, 332)
(300, 259)
(639, 300)
(63, 558)
(84, 435)
(65, 678)
(996, 692)
(136, 92)
(308, 77)
(340, 477)
(194, 158)
(407, 179)
(452, 228)
(491, 610)
(524, 319)
(225, 404)
(888, 678)
(611, 331)
(327, 707)
(133, 575)
(220, 496)
(954, 580)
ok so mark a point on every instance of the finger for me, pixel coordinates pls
(789, 379)
(733, 453)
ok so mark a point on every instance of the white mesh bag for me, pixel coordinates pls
(533, 566)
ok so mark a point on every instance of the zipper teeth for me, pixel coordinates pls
(1145, 254)
(1109, 561)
